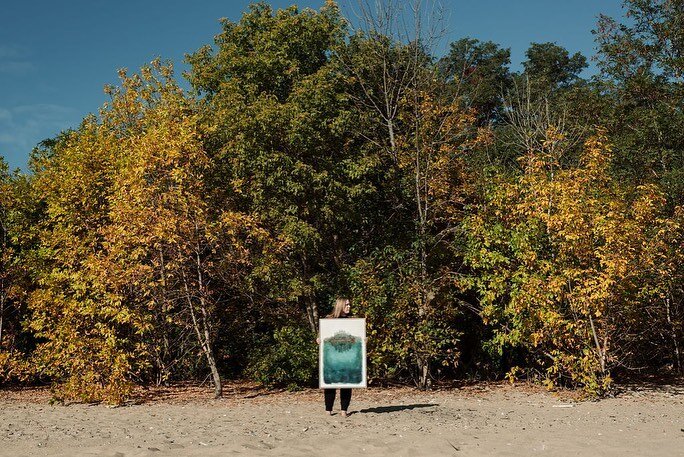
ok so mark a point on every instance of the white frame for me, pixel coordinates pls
(328, 328)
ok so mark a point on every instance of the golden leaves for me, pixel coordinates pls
(580, 244)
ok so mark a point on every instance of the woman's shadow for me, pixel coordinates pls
(393, 409)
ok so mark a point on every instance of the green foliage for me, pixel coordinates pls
(643, 66)
(551, 66)
(650, 43)
(267, 51)
(289, 359)
(401, 333)
(278, 123)
(480, 72)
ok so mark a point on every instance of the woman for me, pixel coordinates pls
(342, 309)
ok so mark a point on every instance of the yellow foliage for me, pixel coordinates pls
(578, 246)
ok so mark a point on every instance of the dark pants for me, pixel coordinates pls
(345, 398)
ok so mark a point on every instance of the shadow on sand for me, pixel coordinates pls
(394, 409)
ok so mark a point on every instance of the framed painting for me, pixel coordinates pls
(342, 353)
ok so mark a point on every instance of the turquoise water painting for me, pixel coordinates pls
(342, 359)
(342, 354)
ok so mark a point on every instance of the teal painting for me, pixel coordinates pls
(342, 354)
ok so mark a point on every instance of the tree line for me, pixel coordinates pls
(487, 223)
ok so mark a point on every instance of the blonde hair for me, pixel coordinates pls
(338, 310)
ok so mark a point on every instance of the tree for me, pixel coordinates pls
(5, 253)
(557, 254)
(652, 43)
(13, 280)
(480, 75)
(279, 123)
(551, 67)
(643, 65)
(85, 336)
(420, 130)
(178, 250)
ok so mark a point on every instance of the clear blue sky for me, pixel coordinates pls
(55, 57)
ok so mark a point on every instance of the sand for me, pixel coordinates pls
(496, 420)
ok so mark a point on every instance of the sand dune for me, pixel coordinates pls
(497, 420)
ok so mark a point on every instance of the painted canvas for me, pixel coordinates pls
(342, 354)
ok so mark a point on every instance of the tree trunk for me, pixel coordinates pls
(422, 206)
(206, 323)
(2, 314)
(218, 386)
(599, 349)
(393, 141)
(312, 313)
(675, 340)
(423, 373)
(204, 340)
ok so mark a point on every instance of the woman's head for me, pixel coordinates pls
(342, 307)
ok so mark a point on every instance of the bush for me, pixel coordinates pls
(289, 359)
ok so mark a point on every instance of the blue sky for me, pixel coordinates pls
(55, 57)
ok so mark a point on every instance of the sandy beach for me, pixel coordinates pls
(482, 420)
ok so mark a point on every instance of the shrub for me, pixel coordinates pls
(289, 359)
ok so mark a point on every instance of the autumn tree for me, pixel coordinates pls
(179, 251)
(15, 201)
(5, 253)
(643, 70)
(86, 336)
(557, 254)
